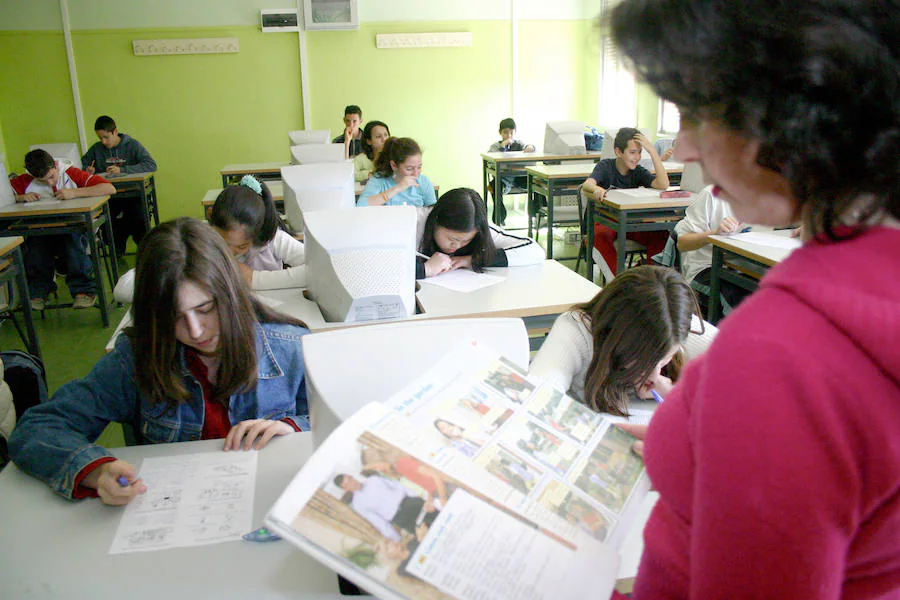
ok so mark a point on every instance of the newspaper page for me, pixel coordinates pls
(472, 483)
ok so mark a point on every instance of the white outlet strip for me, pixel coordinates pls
(186, 46)
(423, 40)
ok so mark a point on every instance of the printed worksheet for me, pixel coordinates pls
(191, 500)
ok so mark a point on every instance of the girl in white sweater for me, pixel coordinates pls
(631, 340)
(245, 216)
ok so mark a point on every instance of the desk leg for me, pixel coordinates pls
(34, 347)
(154, 201)
(498, 187)
(550, 218)
(146, 209)
(589, 251)
(224, 181)
(484, 180)
(621, 242)
(715, 285)
(529, 202)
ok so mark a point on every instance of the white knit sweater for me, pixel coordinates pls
(566, 353)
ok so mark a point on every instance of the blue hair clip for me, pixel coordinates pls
(252, 182)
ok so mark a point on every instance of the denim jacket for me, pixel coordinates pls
(54, 440)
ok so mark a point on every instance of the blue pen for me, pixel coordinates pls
(656, 396)
(745, 229)
(123, 481)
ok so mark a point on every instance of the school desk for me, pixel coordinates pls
(550, 181)
(56, 549)
(624, 213)
(79, 215)
(536, 294)
(275, 187)
(12, 269)
(741, 263)
(513, 163)
(145, 185)
(266, 171)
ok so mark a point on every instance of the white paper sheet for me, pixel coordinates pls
(191, 500)
(640, 192)
(768, 239)
(463, 280)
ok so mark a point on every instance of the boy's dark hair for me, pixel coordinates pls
(397, 150)
(239, 206)
(367, 135)
(624, 135)
(461, 209)
(104, 123)
(726, 63)
(507, 123)
(353, 109)
(38, 163)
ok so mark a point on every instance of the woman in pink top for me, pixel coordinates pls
(777, 455)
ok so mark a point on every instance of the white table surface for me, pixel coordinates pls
(53, 548)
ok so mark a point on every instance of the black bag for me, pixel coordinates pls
(25, 376)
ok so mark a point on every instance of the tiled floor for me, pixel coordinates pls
(72, 341)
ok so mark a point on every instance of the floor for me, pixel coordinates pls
(73, 340)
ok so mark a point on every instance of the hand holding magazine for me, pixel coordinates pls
(473, 482)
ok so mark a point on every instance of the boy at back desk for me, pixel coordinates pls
(47, 179)
(120, 153)
(507, 143)
(352, 136)
(624, 172)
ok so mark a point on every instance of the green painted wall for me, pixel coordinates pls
(196, 113)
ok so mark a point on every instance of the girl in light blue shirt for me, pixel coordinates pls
(397, 179)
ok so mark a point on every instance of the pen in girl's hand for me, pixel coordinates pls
(123, 481)
(420, 255)
(656, 396)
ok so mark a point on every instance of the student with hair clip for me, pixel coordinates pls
(375, 134)
(457, 235)
(627, 342)
(245, 216)
(203, 360)
(397, 179)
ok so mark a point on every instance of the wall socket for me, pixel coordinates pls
(186, 46)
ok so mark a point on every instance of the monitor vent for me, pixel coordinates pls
(372, 272)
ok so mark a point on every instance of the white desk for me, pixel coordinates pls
(536, 294)
(759, 256)
(53, 548)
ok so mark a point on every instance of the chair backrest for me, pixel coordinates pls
(309, 136)
(67, 152)
(7, 194)
(309, 154)
(692, 177)
(348, 368)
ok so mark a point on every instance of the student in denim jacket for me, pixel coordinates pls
(213, 363)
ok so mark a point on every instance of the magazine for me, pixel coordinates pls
(473, 482)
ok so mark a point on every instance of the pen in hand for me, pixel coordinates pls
(123, 481)
(656, 396)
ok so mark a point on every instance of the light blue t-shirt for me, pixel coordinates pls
(411, 196)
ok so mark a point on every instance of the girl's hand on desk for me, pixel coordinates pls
(461, 262)
(437, 264)
(728, 225)
(105, 479)
(255, 434)
(29, 197)
(64, 194)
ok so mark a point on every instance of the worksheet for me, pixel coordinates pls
(463, 280)
(191, 500)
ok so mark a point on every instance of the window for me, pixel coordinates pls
(669, 118)
(618, 107)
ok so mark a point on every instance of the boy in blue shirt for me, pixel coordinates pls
(120, 153)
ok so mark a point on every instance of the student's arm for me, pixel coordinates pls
(565, 354)
(88, 186)
(144, 163)
(378, 192)
(696, 227)
(291, 252)
(19, 185)
(661, 181)
(361, 171)
(514, 250)
(695, 241)
(54, 440)
(89, 160)
(596, 185)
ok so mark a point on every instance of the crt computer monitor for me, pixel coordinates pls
(308, 154)
(564, 137)
(7, 194)
(316, 187)
(309, 136)
(361, 263)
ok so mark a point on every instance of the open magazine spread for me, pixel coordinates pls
(473, 482)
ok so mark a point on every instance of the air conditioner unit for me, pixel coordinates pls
(279, 19)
